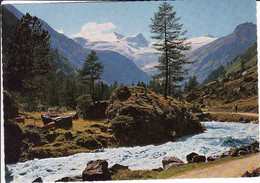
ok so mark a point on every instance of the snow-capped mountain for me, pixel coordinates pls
(136, 48)
(116, 66)
(198, 42)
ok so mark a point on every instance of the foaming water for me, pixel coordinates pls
(217, 139)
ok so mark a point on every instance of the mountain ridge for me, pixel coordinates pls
(222, 50)
(76, 54)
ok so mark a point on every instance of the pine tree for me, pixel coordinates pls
(115, 85)
(27, 61)
(186, 88)
(91, 71)
(170, 43)
(242, 65)
(192, 84)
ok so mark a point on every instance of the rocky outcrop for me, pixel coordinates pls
(60, 120)
(255, 173)
(39, 179)
(190, 156)
(242, 150)
(139, 116)
(10, 106)
(171, 162)
(116, 167)
(210, 158)
(70, 179)
(87, 109)
(198, 159)
(96, 171)
(13, 138)
(254, 147)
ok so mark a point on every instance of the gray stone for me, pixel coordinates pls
(169, 162)
(96, 171)
(198, 159)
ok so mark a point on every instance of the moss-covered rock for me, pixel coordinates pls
(87, 109)
(10, 106)
(13, 138)
(140, 116)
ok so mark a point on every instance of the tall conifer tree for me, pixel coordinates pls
(27, 60)
(91, 71)
(171, 44)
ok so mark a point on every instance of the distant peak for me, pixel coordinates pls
(245, 26)
(140, 35)
(119, 36)
(210, 36)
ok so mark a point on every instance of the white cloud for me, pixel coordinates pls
(97, 32)
(60, 31)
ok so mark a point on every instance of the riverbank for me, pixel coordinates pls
(233, 117)
(84, 136)
(224, 167)
(218, 138)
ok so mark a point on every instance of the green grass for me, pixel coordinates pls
(86, 130)
(150, 174)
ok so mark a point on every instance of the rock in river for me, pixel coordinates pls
(96, 171)
(170, 162)
(139, 117)
(190, 156)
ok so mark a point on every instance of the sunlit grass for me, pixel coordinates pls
(150, 174)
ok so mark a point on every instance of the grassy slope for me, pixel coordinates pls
(224, 95)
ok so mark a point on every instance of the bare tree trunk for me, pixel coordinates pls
(166, 63)
(93, 89)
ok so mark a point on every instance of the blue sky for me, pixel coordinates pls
(200, 17)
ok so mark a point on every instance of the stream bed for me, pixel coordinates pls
(218, 138)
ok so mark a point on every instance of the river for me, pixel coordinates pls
(213, 142)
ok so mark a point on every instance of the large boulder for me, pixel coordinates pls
(210, 158)
(70, 179)
(87, 109)
(198, 159)
(233, 152)
(116, 167)
(190, 156)
(13, 138)
(39, 179)
(10, 106)
(255, 173)
(139, 116)
(171, 162)
(96, 171)
(61, 120)
(254, 147)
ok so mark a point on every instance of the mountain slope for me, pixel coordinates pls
(59, 63)
(222, 50)
(135, 48)
(198, 42)
(67, 47)
(116, 67)
(233, 88)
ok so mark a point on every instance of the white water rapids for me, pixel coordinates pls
(218, 138)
